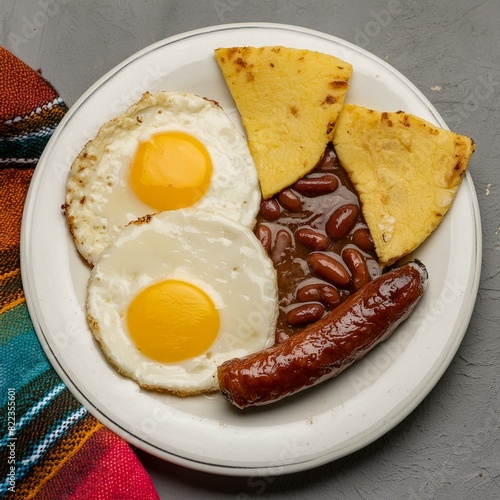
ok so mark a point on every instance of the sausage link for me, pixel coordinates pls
(325, 348)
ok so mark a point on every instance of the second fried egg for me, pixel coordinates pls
(178, 293)
(168, 151)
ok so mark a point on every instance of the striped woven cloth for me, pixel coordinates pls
(50, 446)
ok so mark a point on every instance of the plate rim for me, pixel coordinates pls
(238, 469)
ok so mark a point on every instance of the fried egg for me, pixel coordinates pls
(178, 293)
(166, 152)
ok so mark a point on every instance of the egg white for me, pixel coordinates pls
(218, 255)
(99, 199)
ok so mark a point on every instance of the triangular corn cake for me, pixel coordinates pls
(405, 170)
(289, 100)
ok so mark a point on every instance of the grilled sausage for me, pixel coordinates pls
(325, 348)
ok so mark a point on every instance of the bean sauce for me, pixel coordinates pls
(319, 242)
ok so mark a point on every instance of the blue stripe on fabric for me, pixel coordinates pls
(32, 412)
(22, 358)
(37, 451)
(41, 132)
(26, 146)
(14, 322)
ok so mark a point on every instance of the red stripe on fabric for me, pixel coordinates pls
(105, 467)
(118, 475)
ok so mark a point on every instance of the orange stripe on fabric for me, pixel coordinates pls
(14, 185)
(9, 274)
(22, 89)
(13, 304)
(45, 117)
(11, 290)
(10, 259)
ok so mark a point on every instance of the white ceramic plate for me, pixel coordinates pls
(205, 433)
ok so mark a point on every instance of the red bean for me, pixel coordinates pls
(311, 238)
(308, 293)
(319, 292)
(329, 269)
(357, 265)
(328, 159)
(341, 221)
(282, 241)
(330, 296)
(304, 314)
(289, 200)
(316, 186)
(363, 239)
(264, 234)
(270, 209)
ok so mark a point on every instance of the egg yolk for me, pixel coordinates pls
(171, 170)
(172, 321)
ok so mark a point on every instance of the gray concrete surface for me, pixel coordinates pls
(449, 447)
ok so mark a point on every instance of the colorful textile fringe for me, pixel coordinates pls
(50, 446)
